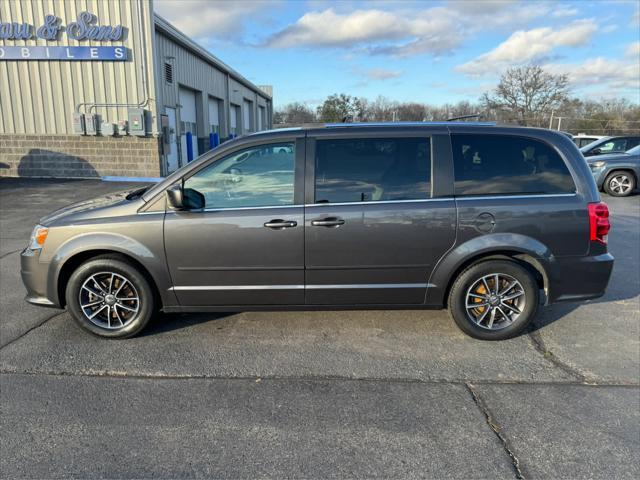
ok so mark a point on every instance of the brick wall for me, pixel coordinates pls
(78, 156)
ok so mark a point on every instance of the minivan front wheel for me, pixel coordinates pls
(494, 300)
(109, 297)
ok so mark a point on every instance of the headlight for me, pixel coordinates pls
(38, 236)
(598, 164)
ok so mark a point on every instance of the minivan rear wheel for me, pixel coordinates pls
(494, 300)
(109, 297)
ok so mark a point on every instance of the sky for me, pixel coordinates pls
(424, 51)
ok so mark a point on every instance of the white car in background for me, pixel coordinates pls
(582, 139)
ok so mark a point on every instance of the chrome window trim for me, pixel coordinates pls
(507, 196)
(373, 202)
(380, 202)
(300, 287)
(227, 209)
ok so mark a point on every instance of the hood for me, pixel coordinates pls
(93, 205)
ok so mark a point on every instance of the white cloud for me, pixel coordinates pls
(615, 75)
(525, 46)
(208, 18)
(565, 11)
(633, 51)
(382, 74)
(378, 30)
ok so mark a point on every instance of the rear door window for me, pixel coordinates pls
(372, 169)
(507, 165)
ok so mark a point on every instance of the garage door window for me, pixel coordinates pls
(368, 169)
(256, 177)
(506, 165)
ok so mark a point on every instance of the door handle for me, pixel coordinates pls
(328, 222)
(279, 224)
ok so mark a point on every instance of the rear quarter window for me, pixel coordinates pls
(507, 165)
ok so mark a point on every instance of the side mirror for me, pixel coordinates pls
(596, 151)
(185, 198)
(175, 198)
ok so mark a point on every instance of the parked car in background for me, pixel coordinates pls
(618, 173)
(484, 220)
(582, 139)
(607, 145)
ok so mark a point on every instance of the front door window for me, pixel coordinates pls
(256, 177)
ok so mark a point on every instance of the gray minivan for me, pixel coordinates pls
(486, 220)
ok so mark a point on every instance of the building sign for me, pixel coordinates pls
(83, 28)
(64, 53)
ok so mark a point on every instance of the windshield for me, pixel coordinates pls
(593, 144)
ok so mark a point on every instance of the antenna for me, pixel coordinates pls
(464, 117)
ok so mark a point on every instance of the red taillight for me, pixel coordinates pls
(599, 225)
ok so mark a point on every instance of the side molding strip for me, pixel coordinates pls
(300, 287)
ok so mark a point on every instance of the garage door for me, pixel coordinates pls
(188, 123)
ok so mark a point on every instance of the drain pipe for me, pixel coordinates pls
(145, 75)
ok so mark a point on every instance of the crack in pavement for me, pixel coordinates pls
(541, 347)
(497, 429)
(9, 253)
(162, 376)
(23, 334)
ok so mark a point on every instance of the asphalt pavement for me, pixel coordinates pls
(394, 394)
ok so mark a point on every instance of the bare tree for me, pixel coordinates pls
(526, 94)
(294, 114)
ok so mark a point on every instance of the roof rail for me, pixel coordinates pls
(404, 124)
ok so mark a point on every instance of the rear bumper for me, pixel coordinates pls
(583, 278)
(34, 278)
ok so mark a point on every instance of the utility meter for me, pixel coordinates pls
(78, 123)
(139, 121)
(123, 127)
(107, 129)
(90, 124)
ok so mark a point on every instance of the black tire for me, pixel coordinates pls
(472, 276)
(132, 322)
(626, 183)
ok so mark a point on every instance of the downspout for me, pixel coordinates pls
(145, 74)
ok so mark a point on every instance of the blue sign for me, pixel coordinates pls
(114, 54)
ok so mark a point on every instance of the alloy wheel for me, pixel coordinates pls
(109, 300)
(620, 184)
(495, 301)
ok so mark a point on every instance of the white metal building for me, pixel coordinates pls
(110, 88)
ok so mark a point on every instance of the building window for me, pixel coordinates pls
(214, 115)
(261, 118)
(233, 127)
(247, 114)
(168, 72)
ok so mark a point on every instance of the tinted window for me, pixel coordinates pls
(617, 145)
(372, 169)
(256, 177)
(632, 142)
(498, 165)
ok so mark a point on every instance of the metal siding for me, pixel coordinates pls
(38, 97)
(192, 71)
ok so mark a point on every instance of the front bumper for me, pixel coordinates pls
(583, 278)
(34, 278)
